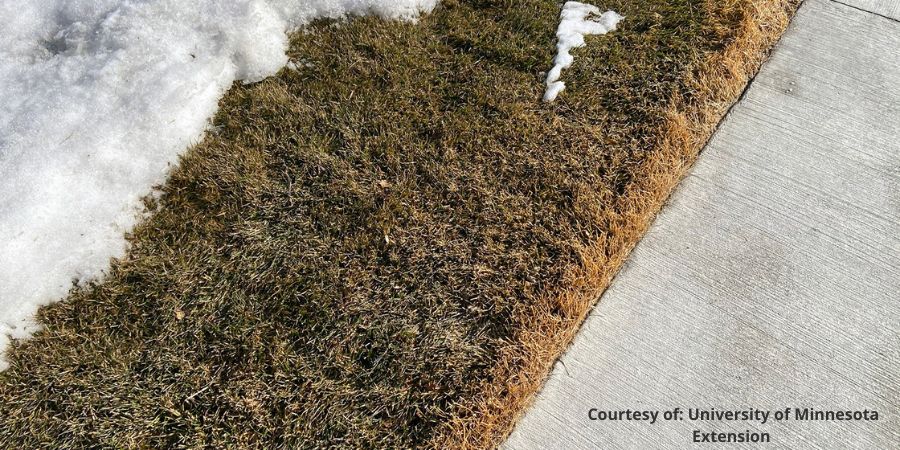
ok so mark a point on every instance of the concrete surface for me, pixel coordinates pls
(887, 8)
(772, 279)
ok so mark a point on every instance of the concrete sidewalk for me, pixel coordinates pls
(772, 279)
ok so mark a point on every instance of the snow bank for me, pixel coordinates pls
(576, 21)
(99, 98)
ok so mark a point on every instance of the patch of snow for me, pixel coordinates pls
(99, 99)
(577, 20)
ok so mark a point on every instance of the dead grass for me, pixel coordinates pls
(549, 326)
(389, 247)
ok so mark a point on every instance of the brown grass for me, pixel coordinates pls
(389, 247)
(548, 328)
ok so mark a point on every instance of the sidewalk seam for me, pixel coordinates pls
(839, 2)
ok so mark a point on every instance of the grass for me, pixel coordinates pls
(388, 247)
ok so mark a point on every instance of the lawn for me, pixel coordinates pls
(388, 246)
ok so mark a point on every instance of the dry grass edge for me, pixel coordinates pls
(526, 363)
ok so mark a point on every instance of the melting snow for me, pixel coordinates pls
(99, 99)
(577, 20)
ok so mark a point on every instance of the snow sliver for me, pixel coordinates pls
(577, 20)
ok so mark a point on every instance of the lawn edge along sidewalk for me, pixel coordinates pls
(522, 370)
